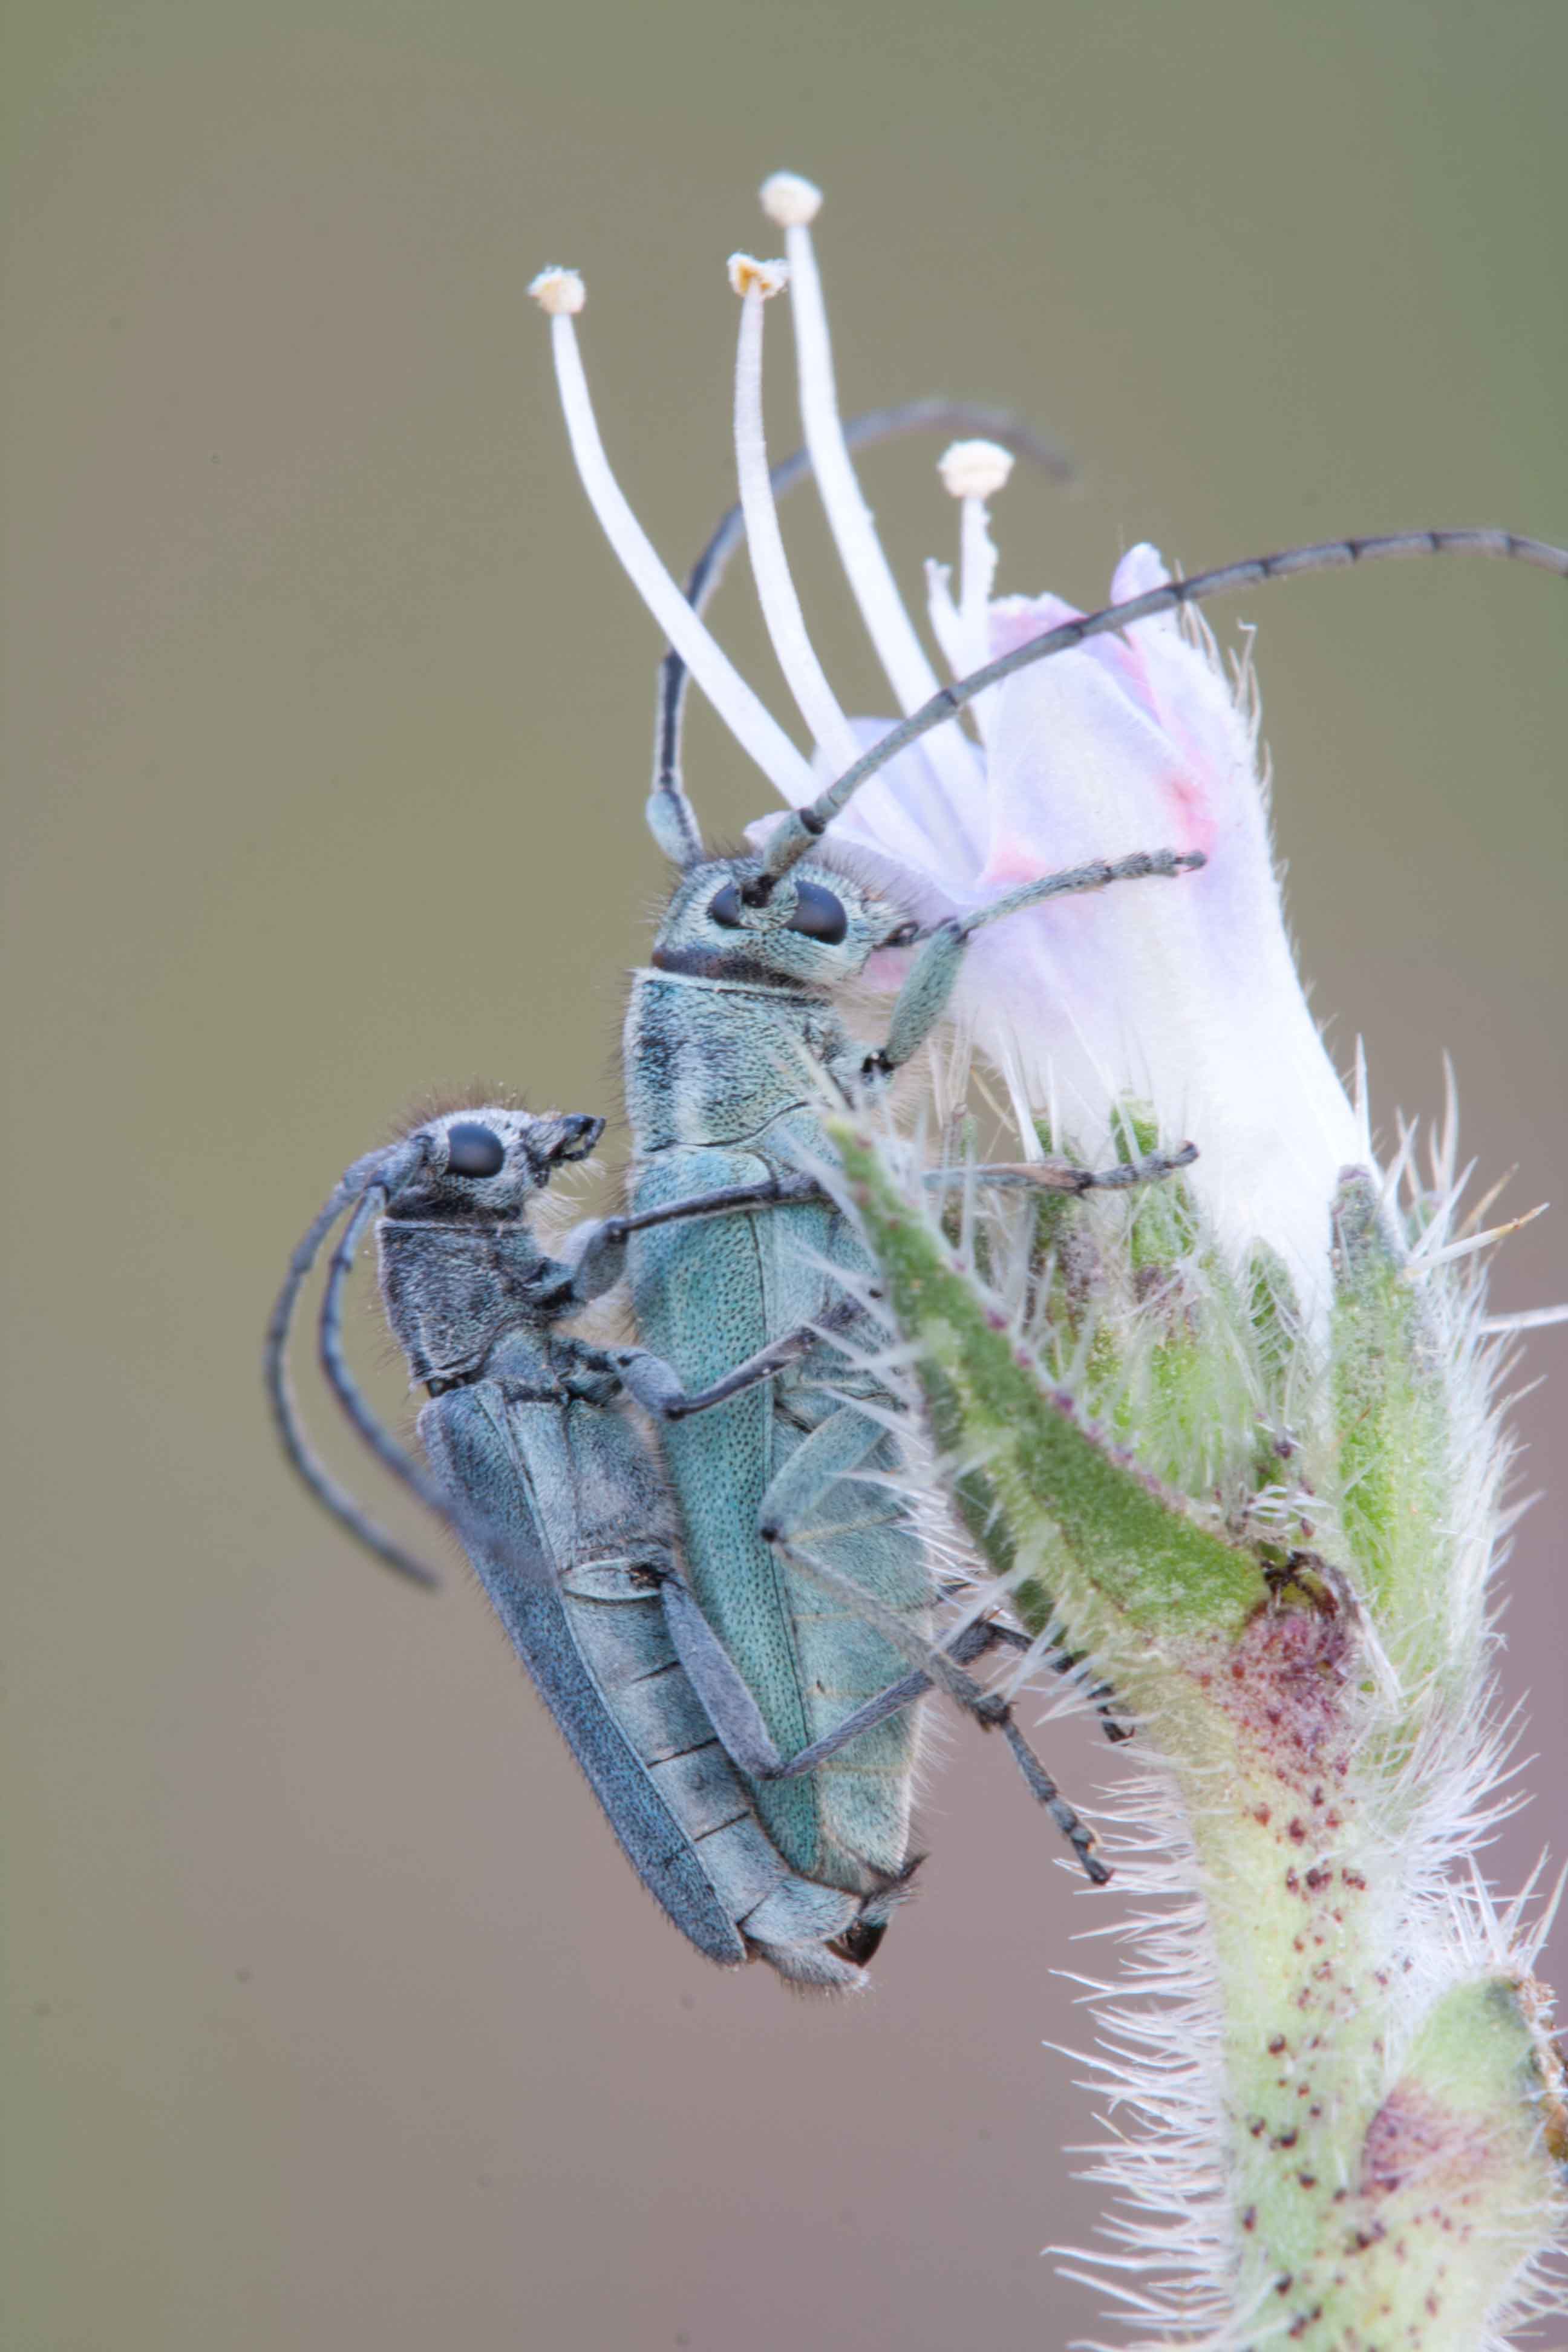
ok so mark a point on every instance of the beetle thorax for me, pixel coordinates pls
(716, 1062)
(450, 1290)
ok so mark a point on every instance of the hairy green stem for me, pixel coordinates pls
(1387, 2108)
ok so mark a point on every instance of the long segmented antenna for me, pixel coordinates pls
(344, 1387)
(964, 419)
(793, 836)
(365, 1180)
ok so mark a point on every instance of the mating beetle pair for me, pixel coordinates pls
(731, 1637)
(567, 1518)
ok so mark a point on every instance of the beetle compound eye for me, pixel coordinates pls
(473, 1150)
(818, 914)
(725, 908)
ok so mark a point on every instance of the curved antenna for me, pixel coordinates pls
(365, 1180)
(334, 1364)
(673, 816)
(793, 836)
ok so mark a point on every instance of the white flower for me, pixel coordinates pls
(1183, 997)
(1180, 995)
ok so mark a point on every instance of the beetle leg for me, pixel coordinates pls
(923, 1000)
(987, 1707)
(656, 1385)
(735, 1716)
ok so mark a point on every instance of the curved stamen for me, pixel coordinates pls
(793, 203)
(558, 293)
(793, 839)
(756, 282)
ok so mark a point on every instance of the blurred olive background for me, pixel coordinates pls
(337, 2019)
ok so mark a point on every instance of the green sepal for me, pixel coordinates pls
(1393, 1429)
(1039, 1486)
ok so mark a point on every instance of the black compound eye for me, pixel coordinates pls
(473, 1150)
(725, 908)
(818, 914)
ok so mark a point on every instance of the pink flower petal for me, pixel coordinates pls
(1180, 994)
(1016, 620)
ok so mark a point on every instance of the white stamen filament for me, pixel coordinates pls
(976, 572)
(808, 680)
(976, 577)
(972, 472)
(871, 577)
(759, 734)
(942, 614)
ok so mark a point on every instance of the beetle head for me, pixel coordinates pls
(816, 929)
(486, 1164)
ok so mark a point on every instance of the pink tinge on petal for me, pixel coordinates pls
(1197, 705)
(907, 813)
(1017, 621)
(1189, 694)
(1080, 772)
(889, 968)
(1141, 568)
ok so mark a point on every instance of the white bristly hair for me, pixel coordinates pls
(1165, 2256)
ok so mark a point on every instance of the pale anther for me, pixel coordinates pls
(789, 200)
(749, 275)
(974, 469)
(560, 293)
